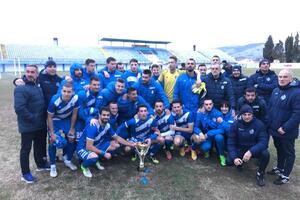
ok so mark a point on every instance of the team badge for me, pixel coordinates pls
(268, 79)
(283, 97)
(222, 87)
(251, 131)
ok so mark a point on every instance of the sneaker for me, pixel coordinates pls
(206, 154)
(222, 160)
(194, 155)
(28, 178)
(172, 147)
(169, 155)
(86, 171)
(188, 149)
(133, 158)
(182, 151)
(281, 180)
(45, 167)
(260, 179)
(53, 172)
(69, 164)
(275, 171)
(99, 166)
(154, 160)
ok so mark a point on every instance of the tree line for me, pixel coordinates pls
(288, 52)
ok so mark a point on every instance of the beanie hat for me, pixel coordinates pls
(50, 63)
(263, 61)
(246, 109)
(237, 67)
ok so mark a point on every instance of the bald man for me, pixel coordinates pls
(283, 123)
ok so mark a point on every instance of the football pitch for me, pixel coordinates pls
(180, 178)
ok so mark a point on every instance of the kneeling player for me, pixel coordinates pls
(97, 141)
(143, 128)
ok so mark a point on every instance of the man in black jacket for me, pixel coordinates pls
(238, 81)
(283, 123)
(29, 106)
(257, 103)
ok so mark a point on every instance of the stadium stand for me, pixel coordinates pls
(185, 55)
(211, 52)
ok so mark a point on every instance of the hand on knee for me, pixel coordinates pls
(107, 156)
(92, 155)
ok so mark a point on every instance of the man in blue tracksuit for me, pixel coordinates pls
(90, 70)
(264, 80)
(77, 81)
(151, 90)
(132, 75)
(219, 88)
(183, 88)
(227, 116)
(283, 123)
(257, 103)
(210, 122)
(238, 81)
(129, 103)
(248, 139)
(109, 73)
(88, 99)
(111, 93)
(143, 128)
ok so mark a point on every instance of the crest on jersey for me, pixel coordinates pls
(251, 131)
(268, 78)
(222, 87)
(283, 97)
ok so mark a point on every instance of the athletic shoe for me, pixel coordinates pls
(133, 158)
(182, 151)
(99, 166)
(206, 154)
(169, 155)
(45, 167)
(172, 147)
(222, 160)
(260, 179)
(28, 178)
(69, 164)
(188, 149)
(281, 180)
(53, 172)
(194, 155)
(154, 160)
(274, 171)
(86, 171)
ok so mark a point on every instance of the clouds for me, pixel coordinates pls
(204, 23)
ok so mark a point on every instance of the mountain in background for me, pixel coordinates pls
(250, 51)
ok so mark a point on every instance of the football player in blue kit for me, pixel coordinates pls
(97, 141)
(62, 116)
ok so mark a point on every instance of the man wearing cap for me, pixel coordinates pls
(238, 81)
(283, 123)
(264, 80)
(248, 139)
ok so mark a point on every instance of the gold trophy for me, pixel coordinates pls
(141, 150)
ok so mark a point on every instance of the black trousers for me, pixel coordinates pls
(285, 149)
(263, 158)
(39, 139)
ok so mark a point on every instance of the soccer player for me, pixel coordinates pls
(132, 75)
(183, 127)
(155, 70)
(90, 70)
(97, 141)
(62, 116)
(143, 128)
(109, 73)
(164, 120)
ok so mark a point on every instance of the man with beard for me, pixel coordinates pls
(238, 81)
(109, 73)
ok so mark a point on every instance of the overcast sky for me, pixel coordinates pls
(207, 23)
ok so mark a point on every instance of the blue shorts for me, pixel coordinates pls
(186, 136)
(83, 153)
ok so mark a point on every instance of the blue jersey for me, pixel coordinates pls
(113, 76)
(131, 78)
(60, 109)
(88, 104)
(113, 121)
(164, 121)
(139, 129)
(183, 120)
(97, 134)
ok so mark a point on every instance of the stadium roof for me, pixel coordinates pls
(134, 41)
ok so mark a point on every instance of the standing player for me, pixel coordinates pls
(62, 116)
